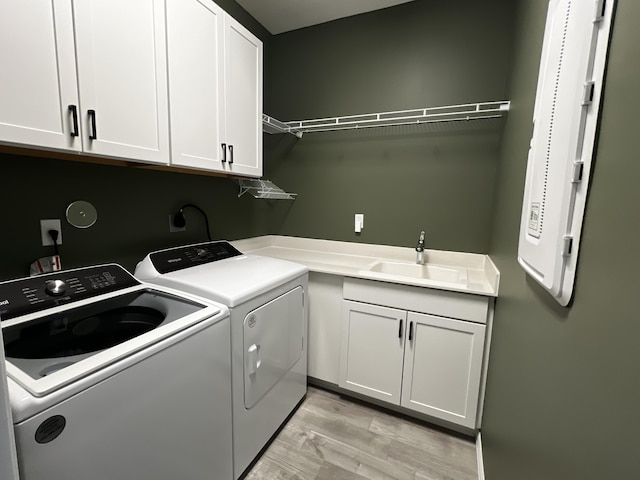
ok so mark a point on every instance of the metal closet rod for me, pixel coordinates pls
(449, 113)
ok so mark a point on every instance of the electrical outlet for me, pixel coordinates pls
(173, 228)
(50, 224)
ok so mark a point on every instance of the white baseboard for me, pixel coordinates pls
(479, 455)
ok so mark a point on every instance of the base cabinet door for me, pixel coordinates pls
(442, 368)
(38, 89)
(371, 351)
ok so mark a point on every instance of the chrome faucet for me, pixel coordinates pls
(420, 249)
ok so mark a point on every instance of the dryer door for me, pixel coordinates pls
(272, 343)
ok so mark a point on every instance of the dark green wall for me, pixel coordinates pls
(438, 178)
(404, 179)
(563, 387)
(133, 211)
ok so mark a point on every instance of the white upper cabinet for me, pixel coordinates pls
(116, 78)
(87, 76)
(195, 42)
(38, 83)
(243, 93)
(121, 58)
(215, 90)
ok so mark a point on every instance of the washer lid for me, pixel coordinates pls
(60, 346)
(231, 281)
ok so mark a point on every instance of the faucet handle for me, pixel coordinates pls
(420, 246)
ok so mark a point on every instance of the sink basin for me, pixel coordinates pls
(431, 273)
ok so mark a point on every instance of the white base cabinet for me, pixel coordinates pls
(442, 366)
(325, 323)
(431, 364)
(371, 354)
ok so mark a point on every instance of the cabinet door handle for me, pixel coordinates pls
(230, 154)
(74, 116)
(410, 331)
(400, 330)
(92, 119)
(224, 153)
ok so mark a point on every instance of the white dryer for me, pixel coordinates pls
(110, 378)
(267, 299)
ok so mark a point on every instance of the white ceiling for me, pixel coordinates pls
(279, 16)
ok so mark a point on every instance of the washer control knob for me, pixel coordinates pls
(55, 288)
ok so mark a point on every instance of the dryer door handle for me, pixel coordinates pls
(253, 359)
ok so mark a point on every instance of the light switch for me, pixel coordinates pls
(359, 222)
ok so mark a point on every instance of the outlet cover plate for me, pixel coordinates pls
(173, 228)
(50, 224)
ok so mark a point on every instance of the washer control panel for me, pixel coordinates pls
(27, 295)
(178, 258)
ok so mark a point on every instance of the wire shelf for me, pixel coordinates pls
(271, 125)
(451, 113)
(263, 189)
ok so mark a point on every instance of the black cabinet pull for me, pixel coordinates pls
(224, 153)
(400, 330)
(410, 331)
(92, 118)
(74, 116)
(230, 154)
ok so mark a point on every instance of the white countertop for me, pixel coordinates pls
(356, 260)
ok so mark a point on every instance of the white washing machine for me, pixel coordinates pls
(110, 378)
(267, 299)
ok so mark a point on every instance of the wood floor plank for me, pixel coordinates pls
(333, 438)
(432, 440)
(434, 467)
(374, 467)
(333, 472)
(281, 462)
(341, 430)
(334, 408)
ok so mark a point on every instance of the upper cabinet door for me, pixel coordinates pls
(38, 82)
(195, 63)
(243, 87)
(121, 55)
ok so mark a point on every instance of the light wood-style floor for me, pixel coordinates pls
(333, 438)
